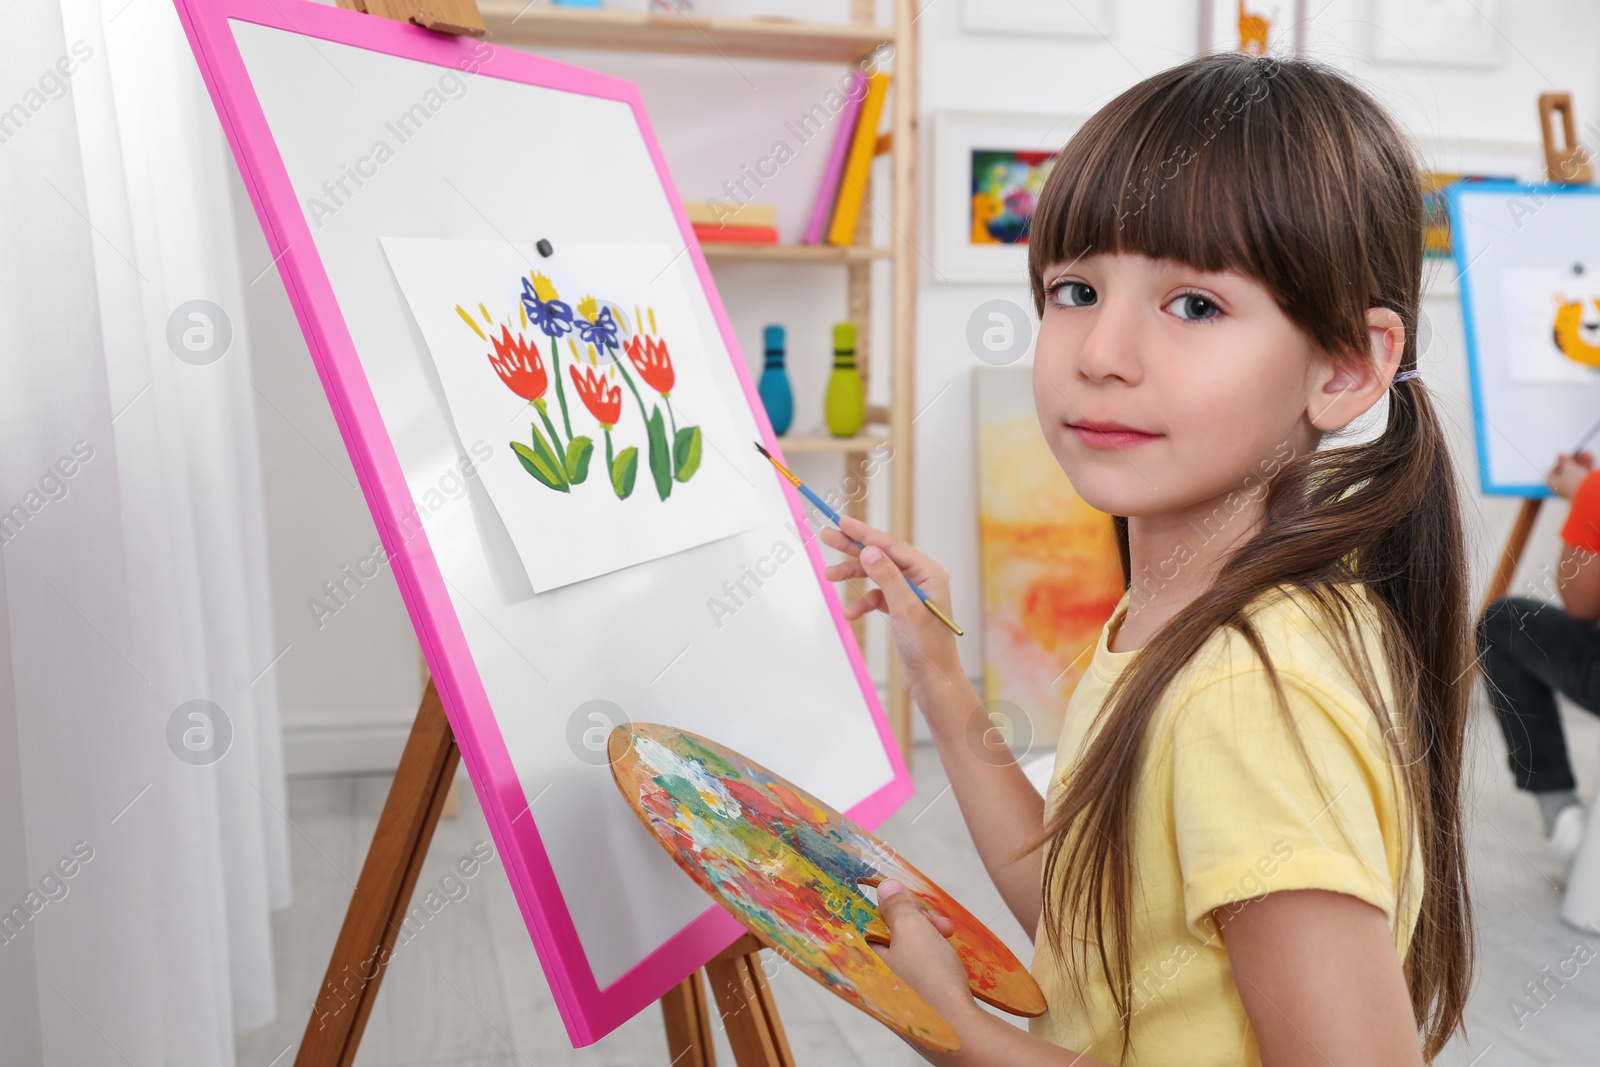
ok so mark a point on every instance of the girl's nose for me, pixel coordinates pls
(1110, 348)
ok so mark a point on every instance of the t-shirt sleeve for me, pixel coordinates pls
(1251, 817)
(1582, 528)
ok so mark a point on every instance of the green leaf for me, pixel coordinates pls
(535, 465)
(542, 461)
(660, 457)
(549, 452)
(686, 453)
(578, 453)
(623, 470)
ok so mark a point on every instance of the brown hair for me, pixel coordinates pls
(1285, 171)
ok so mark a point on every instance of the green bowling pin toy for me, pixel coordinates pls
(846, 403)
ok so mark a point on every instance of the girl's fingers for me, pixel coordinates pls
(873, 601)
(846, 571)
(867, 535)
(836, 540)
(905, 556)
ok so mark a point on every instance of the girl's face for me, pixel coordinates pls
(1160, 387)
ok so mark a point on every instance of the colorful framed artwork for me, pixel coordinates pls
(1256, 27)
(1437, 243)
(495, 274)
(988, 171)
(1450, 159)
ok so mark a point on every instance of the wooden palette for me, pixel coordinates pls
(788, 867)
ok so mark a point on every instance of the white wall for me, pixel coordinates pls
(350, 687)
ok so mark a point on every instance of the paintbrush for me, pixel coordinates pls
(834, 516)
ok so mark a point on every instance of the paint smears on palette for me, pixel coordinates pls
(788, 867)
(585, 373)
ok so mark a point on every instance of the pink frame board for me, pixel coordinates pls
(588, 1010)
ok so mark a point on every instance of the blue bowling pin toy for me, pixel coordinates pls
(776, 394)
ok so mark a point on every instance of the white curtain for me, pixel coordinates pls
(143, 836)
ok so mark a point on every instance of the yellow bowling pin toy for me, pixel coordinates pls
(846, 403)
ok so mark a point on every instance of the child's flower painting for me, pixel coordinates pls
(590, 369)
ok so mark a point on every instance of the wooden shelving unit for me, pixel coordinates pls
(822, 254)
(825, 443)
(516, 22)
(539, 26)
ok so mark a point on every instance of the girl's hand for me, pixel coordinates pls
(927, 647)
(919, 954)
(1568, 473)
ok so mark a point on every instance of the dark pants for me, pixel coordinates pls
(1531, 651)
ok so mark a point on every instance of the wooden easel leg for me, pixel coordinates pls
(377, 908)
(452, 802)
(749, 1013)
(688, 1024)
(1512, 555)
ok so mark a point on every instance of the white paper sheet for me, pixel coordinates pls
(1532, 295)
(490, 313)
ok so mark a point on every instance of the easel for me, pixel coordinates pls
(383, 892)
(416, 799)
(1568, 164)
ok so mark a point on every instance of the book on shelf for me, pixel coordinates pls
(828, 188)
(730, 213)
(740, 235)
(858, 168)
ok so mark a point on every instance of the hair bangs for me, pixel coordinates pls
(1198, 165)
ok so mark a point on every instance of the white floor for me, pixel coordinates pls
(468, 991)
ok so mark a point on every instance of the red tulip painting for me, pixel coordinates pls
(672, 458)
(517, 363)
(603, 401)
(649, 354)
(557, 463)
(590, 375)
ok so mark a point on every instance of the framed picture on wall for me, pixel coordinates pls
(988, 170)
(1444, 32)
(1451, 159)
(1254, 26)
(1083, 18)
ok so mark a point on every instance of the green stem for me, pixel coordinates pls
(643, 414)
(561, 394)
(670, 416)
(555, 438)
(611, 460)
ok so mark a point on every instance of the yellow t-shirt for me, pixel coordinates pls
(1225, 810)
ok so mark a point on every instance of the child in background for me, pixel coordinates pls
(1533, 650)
(1251, 851)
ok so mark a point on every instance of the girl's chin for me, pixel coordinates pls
(1101, 498)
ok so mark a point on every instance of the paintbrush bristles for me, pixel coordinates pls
(786, 472)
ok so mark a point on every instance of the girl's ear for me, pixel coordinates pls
(1342, 390)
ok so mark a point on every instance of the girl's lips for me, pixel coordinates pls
(1113, 439)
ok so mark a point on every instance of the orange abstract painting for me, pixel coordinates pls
(1049, 563)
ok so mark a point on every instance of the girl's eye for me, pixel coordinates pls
(1202, 308)
(1077, 294)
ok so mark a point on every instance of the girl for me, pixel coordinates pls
(1251, 851)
